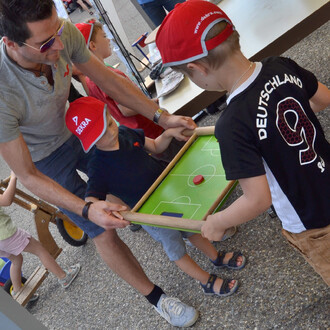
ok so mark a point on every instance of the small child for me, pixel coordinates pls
(13, 241)
(270, 138)
(122, 167)
(99, 44)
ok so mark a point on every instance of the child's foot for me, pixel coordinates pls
(71, 274)
(232, 260)
(219, 287)
(34, 298)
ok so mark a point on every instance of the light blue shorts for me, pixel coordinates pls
(171, 240)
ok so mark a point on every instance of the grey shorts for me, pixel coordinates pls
(171, 240)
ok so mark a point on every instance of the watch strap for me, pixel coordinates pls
(85, 210)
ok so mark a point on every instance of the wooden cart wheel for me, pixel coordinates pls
(8, 287)
(71, 233)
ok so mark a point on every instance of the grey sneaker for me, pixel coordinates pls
(176, 312)
(230, 232)
(71, 274)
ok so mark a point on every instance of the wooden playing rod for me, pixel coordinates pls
(163, 220)
(207, 130)
(164, 173)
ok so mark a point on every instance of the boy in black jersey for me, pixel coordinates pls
(270, 138)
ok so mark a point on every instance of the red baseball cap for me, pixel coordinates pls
(87, 119)
(181, 37)
(86, 30)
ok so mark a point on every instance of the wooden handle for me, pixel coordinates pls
(207, 130)
(163, 220)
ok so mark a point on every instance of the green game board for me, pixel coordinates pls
(177, 195)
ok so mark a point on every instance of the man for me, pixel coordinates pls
(36, 55)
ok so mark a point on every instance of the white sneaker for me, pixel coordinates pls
(71, 274)
(176, 312)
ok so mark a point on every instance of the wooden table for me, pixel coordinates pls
(266, 28)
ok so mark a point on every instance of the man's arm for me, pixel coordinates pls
(18, 158)
(321, 99)
(122, 91)
(256, 199)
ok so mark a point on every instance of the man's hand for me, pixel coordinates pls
(107, 215)
(167, 120)
(176, 132)
(212, 229)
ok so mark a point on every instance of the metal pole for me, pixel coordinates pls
(124, 51)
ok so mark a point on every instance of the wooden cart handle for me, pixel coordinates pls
(163, 220)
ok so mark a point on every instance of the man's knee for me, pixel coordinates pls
(109, 237)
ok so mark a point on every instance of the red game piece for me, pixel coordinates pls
(198, 179)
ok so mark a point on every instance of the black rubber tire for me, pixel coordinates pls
(9, 286)
(71, 234)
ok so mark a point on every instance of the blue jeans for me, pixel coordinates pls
(171, 240)
(61, 166)
(155, 9)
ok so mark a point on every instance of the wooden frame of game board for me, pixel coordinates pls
(174, 222)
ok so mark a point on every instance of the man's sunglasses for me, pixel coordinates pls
(49, 43)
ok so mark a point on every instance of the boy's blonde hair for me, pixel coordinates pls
(97, 26)
(219, 54)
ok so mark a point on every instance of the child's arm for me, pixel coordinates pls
(7, 197)
(321, 99)
(256, 199)
(160, 144)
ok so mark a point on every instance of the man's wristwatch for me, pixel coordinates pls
(85, 210)
(157, 115)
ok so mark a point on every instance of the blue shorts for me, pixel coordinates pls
(171, 240)
(61, 166)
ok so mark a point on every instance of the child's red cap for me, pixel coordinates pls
(87, 119)
(181, 37)
(86, 30)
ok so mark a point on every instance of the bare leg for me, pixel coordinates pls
(209, 250)
(121, 260)
(89, 3)
(15, 271)
(47, 260)
(83, 6)
(190, 267)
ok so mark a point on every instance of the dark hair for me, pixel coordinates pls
(14, 14)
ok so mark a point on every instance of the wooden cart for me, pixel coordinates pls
(44, 214)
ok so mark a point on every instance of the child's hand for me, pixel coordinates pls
(176, 132)
(156, 100)
(13, 176)
(212, 229)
